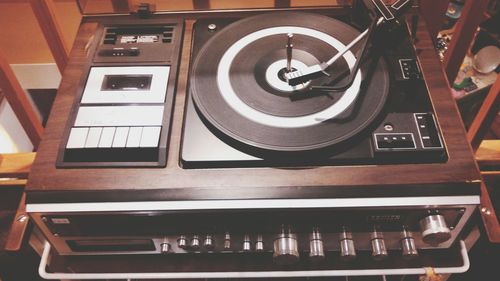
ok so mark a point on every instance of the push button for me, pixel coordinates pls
(395, 141)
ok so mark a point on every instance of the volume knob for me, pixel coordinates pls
(434, 230)
(286, 248)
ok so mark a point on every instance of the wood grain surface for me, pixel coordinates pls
(460, 169)
(16, 165)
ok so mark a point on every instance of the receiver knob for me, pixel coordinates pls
(379, 251)
(286, 248)
(227, 241)
(316, 247)
(209, 242)
(164, 248)
(247, 244)
(408, 245)
(182, 242)
(195, 243)
(434, 230)
(347, 249)
(259, 245)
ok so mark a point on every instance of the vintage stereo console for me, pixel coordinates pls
(253, 144)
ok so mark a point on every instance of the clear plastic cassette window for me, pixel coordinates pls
(126, 84)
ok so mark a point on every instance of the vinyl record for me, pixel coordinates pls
(237, 85)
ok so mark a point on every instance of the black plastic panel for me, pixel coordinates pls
(242, 221)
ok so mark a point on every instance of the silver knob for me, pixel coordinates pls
(212, 27)
(247, 244)
(164, 248)
(316, 247)
(286, 248)
(182, 242)
(408, 245)
(209, 242)
(434, 230)
(347, 249)
(227, 241)
(379, 251)
(195, 243)
(259, 244)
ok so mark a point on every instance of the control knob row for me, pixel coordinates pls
(209, 243)
(286, 249)
(195, 242)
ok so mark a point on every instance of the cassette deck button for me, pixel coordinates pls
(93, 137)
(120, 137)
(150, 137)
(77, 138)
(134, 137)
(107, 135)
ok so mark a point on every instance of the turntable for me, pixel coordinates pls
(243, 111)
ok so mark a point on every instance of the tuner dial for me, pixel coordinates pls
(286, 248)
(347, 249)
(434, 230)
(316, 247)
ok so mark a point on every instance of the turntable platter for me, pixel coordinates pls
(238, 88)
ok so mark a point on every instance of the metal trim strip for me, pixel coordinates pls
(251, 204)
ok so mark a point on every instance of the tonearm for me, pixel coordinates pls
(380, 14)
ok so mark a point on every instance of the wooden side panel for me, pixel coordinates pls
(433, 11)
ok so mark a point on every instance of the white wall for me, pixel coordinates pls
(13, 138)
(12, 135)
